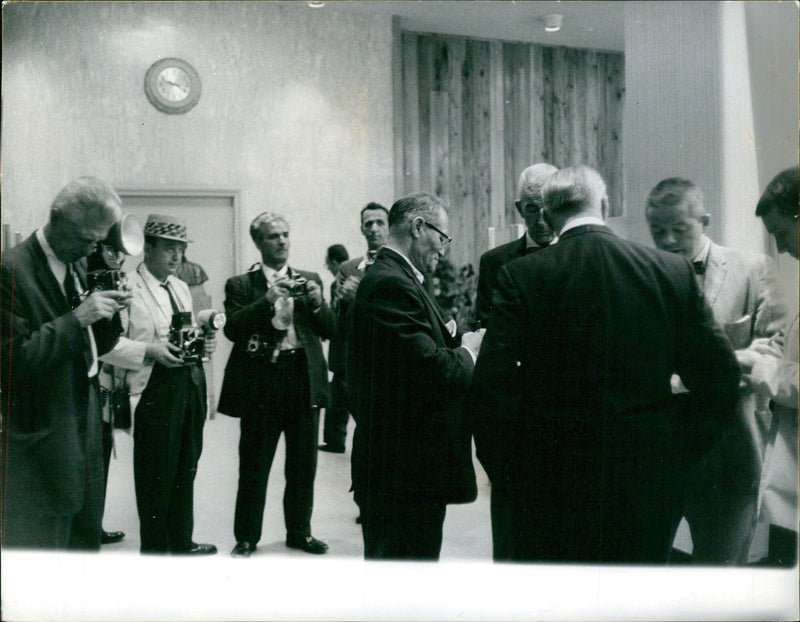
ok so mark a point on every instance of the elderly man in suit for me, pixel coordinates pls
(167, 389)
(375, 229)
(276, 381)
(593, 327)
(770, 368)
(52, 333)
(537, 236)
(411, 450)
(742, 290)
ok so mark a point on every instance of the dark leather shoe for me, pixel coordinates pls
(199, 549)
(243, 549)
(111, 537)
(333, 449)
(307, 544)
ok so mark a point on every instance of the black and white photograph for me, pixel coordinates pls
(399, 310)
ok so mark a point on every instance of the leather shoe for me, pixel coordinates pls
(199, 549)
(331, 449)
(111, 537)
(243, 549)
(308, 544)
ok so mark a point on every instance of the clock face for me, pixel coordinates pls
(172, 86)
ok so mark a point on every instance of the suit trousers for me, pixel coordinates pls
(167, 442)
(79, 531)
(286, 409)
(402, 528)
(334, 432)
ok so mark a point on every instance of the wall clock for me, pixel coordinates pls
(172, 85)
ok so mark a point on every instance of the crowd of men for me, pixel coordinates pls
(611, 389)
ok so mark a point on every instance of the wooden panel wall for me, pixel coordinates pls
(476, 113)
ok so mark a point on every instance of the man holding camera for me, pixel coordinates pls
(167, 388)
(53, 329)
(275, 381)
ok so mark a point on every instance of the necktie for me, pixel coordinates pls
(71, 291)
(699, 267)
(172, 301)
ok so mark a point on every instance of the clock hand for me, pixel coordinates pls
(171, 83)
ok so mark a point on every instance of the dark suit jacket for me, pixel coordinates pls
(572, 384)
(49, 443)
(248, 313)
(490, 264)
(409, 378)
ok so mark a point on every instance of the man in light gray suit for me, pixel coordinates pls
(742, 290)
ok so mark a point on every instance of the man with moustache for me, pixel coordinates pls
(743, 292)
(276, 380)
(411, 449)
(538, 235)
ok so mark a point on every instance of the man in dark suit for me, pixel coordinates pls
(574, 415)
(375, 228)
(52, 334)
(411, 451)
(537, 236)
(276, 381)
(742, 290)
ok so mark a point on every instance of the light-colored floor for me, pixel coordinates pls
(467, 532)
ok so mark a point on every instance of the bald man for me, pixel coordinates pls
(538, 236)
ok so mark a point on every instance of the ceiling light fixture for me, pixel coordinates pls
(316, 5)
(552, 22)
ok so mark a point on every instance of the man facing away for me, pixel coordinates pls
(538, 235)
(375, 229)
(742, 290)
(275, 381)
(573, 412)
(53, 330)
(411, 449)
(167, 393)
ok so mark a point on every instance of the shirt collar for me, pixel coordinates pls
(150, 278)
(703, 254)
(531, 243)
(581, 221)
(272, 275)
(420, 277)
(49, 253)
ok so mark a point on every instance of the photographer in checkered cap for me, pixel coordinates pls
(167, 386)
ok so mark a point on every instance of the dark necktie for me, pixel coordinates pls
(73, 298)
(172, 301)
(699, 267)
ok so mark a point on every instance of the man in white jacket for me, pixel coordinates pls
(167, 392)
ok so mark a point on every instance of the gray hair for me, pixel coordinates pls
(532, 179)
(674, 191)
(261, 221)
(87, 198)
(410, 206)
(573, 190)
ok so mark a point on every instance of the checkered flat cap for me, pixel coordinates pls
(167, 227)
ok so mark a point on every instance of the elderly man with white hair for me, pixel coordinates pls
(574, 415)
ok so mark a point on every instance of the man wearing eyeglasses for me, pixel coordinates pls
(539, 235)
(53, 330)
(411, 448)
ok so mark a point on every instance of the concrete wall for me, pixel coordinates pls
(295, 112)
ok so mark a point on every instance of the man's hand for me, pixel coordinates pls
(472, 341)
(746, 359)
(279, 290)
(347, 290)
(314, 294)
(164, 353)
(100, 305)
(211, 342)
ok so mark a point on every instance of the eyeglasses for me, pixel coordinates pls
(444, 239)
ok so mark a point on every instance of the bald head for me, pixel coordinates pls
(529, 201)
